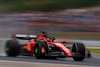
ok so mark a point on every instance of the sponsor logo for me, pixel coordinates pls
(29, 47)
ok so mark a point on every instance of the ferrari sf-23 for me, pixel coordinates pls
(42, 46)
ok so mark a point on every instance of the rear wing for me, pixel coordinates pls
(24, 36)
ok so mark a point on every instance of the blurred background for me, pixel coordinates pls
(69, 19)
(55, 16)
(52, 15)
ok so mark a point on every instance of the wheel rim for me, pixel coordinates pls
(36, 50)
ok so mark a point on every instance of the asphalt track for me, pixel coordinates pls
(87, 62)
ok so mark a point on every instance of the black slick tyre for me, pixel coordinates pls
(37, 49)
(79, 48)
(12, 48)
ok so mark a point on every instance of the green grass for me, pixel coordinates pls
(77, 35)
(68, 35)
(95, 51)
(45, 5)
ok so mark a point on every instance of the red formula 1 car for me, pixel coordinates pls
(43, 46)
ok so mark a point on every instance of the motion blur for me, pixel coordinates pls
(71, 20)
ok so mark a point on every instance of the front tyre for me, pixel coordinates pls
(79, 48)
(12, 48)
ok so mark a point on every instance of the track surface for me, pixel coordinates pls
(88, 61)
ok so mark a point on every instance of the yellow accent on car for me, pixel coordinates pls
(36, 50)
(62, 46)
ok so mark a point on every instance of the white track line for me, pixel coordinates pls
(38, 63)
(98, 57)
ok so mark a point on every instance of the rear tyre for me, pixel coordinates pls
(79, 48)
(12, 48)
(38, 49)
